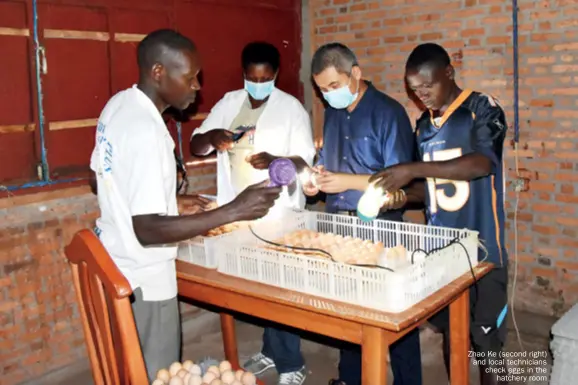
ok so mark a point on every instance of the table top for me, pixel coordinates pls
(366, 316)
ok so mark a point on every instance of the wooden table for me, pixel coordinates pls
(373, 330)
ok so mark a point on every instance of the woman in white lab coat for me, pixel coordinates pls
(249, 128)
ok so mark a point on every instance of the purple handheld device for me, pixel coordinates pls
(282, 172)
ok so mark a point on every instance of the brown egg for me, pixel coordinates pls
(176, 381)
(209, 377)
(215, 370)
(248, 379)
(195, 380)
(174, 368)
(236, 383)
(164, 375)
(188, 364)
(158, 382)
(227, 377)
(182, 373)
(216, 381)
(239, 374)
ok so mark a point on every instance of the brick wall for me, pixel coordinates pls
(478, 35)
(39, 322)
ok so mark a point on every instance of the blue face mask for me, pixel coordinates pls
(341, 97)
(259, 91)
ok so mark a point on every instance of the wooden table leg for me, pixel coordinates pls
(374, 350)
(230, 339)
(460, 339)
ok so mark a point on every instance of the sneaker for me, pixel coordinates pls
(258, 364)
(292, 378)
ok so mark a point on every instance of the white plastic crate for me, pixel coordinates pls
(564, 347)
(375, 288)
(202, 250)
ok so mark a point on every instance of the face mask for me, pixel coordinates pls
(259, 91)
(341, 97)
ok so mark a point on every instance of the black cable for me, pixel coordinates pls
(313, 250)
(452, 242)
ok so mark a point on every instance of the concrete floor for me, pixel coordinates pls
(321, 359)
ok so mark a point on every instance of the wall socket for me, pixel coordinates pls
(521, 184)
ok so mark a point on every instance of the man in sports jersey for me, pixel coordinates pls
(460, 178)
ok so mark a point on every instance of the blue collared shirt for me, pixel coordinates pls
(375, 135)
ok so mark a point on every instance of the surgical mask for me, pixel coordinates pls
(259, 91)
(341, 97)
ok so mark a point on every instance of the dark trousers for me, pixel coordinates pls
(405, 357)
(284, 349)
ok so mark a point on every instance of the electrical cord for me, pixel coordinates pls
(310, 249)
(454, 242)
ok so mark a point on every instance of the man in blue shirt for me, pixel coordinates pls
(364, 131)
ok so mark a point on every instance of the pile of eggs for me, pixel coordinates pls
(188, 373)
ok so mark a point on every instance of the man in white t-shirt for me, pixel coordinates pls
(136, 182)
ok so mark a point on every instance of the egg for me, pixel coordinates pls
(176, 381)
(216, 381)
(209, 376)
(236, 383)
(174, 368)
(187, 378)
(227, 377)
(215, 370)
(163, 375)
(188, 364)
(195, 380)
(182, 373)
(196, 369)
(239, 374)
(158, 382)
(248, 379)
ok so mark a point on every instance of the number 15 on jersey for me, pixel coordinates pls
(437, 194)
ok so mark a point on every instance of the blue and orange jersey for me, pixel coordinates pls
(474, 123)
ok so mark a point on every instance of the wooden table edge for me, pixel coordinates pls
(431, 305)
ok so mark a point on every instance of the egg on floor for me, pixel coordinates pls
(174, 368)
(210, 376)
(196, 369)
(225, 366)
(176, 380)
(227, 377)
(248, 379)
(163, 375)
(188, 364)
(195, 380)
(214, 369)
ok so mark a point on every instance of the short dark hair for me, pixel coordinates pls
(428, 54)
(156, 44)
(260, 52)
(333, 55)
